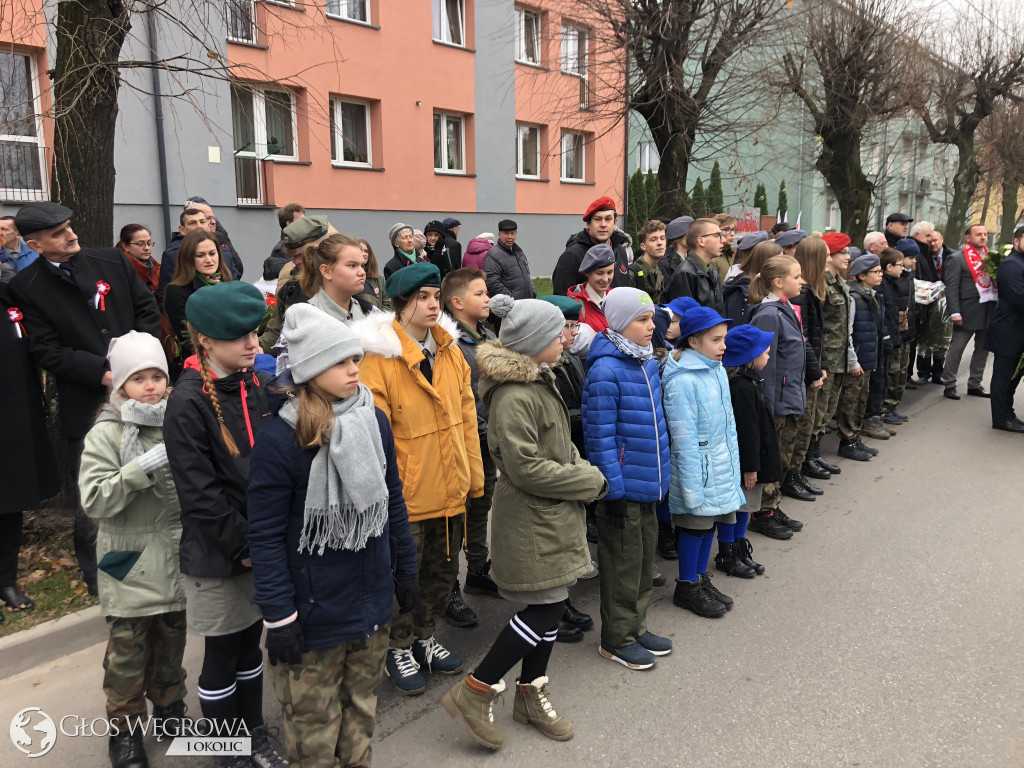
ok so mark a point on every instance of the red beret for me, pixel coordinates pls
(601, 204)
(835, 241)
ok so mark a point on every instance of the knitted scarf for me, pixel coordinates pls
(347, 495)
(627, 347)
(134, 415)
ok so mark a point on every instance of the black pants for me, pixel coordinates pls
(85, 529)
(1003, 387)
(879, 382)
(10, 543)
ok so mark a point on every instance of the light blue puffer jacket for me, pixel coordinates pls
(624, 424)
(705, 455)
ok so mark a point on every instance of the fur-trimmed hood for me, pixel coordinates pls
(500, 365)
(378, 336)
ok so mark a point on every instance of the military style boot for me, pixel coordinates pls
(667, 541)
(473, 702)
(728, 561)
(849, 449)
(814, 453)
(126, 751)
(531, 706)
(745, 551)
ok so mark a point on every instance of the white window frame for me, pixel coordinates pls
(582, 137)
(441, 26)
(259, 111)
(834, 215)
(339, 137)
(445, 117)
(579, 57)
(521, 55)
(521, 129)
(242, 5)
(19, 193)
(645, 151)
(342, 6)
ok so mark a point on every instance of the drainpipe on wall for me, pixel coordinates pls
(625, 156)
(161, 149)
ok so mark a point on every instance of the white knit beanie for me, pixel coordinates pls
(134, 352)
(316, 341)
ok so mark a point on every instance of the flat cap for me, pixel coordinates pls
(751, 239)
(306, 228)
(900, 217)
(35, 217)
(226, 310)
(790, 237)
(507, 225)
(597, 257)
(862, 264)
(450, 222)
(677, 227)
(412, 278)
(570, 308)
(601, 204)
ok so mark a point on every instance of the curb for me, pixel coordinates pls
(51, 640)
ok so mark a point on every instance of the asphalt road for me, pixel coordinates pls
(887, 633)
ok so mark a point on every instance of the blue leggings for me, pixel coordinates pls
(694, 548)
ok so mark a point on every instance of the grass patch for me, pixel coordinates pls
(543, 286)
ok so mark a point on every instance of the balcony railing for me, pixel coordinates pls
(241, 21)
(23, 171)
(249, 184)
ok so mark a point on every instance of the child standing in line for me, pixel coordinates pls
(646, 273)
(747, 349)
(126, 485)
(599, 267)
(705, 486)
(538, 505)
(213, 416)
(321, 527)
(421, 380)
(627, 439)
(901, 284)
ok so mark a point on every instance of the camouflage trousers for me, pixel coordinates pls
(329, 704)
(788, 429)
(853, 402)
(477, 513)
(827, 401)
(143, 660)
(805, 430)
(899, 367)
(437, 553)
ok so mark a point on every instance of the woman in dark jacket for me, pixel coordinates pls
(200, 262)
(213, 416)
(404, 245)
(325, 581)
(734, 292)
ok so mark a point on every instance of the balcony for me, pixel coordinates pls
(23, 171)
(240, 16)
(249, 181)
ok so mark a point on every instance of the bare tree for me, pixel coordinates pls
(1001, 160)
(981, 65)
(847, 65)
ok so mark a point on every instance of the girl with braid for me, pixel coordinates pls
(213, 415)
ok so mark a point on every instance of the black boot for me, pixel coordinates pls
(799, 478)
(458, 614)
(126, 751)
(728, 561)
(667, 541)
(766, 524)
(786, 520)
(849, 449)
(790, 487)
(592, 526)
(811, 468)
(577, 618)
(868, 448)
(691, 596)
(744, 550)
(724, 599)
(568, 633)
(938, 363)
(170, 717)
(924, 369)
(817, 458)
(480, 582)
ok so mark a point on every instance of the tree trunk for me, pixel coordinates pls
(839, 163)
(675, 165)
(965, 185)
(1010, 187)
(89, 35)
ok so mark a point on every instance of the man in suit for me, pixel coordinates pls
(970, 298)
(1006, 336)
(74, 302)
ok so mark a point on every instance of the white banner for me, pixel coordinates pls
(211, 746)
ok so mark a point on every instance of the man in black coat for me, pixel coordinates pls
(600, 218)
(451, 239)
(896, 226)
(74, 302)
(1006, 336)
(695, 277)
(970, 312)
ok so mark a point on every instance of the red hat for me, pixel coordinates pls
(601, 204)
(836, 241)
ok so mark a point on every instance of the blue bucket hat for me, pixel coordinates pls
(745, 343)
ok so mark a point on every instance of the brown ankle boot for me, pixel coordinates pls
(473, 701)
(531, 705)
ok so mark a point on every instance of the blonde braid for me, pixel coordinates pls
(211, 391)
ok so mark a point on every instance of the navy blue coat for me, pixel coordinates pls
(734, 297)
(784, 374)
(868, 324)
(624, 424)
(1006, 331)
(341, 595)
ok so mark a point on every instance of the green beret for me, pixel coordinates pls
(570, 308)
(306, 228)
(226, 310)
(410, 279)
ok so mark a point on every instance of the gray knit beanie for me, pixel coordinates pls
(623, 305)
(316, 341)
(528, 325)
(395, 231)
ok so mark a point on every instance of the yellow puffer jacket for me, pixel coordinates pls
(435, 424)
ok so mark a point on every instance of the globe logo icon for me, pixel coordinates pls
(33, 732)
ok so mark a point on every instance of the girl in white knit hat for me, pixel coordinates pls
(125, 483)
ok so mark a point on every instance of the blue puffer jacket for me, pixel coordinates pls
(784, 374)
(624, 424)
(705, 454)
(868, 322)
(340, 595)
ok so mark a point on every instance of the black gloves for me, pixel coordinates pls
(407, 591)
(284, 644)
(615, 511)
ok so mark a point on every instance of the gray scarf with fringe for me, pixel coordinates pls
(134, 415)
(347, 495)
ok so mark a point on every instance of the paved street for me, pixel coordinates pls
(887, 633)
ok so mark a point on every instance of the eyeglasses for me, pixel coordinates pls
(875, 271)
(729, 231)
(143, 244)
(719, 235)
(572, 327)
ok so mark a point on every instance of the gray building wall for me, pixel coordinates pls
(495, 103)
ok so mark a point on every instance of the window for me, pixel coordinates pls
(449, 21)
(241, 19)
(449, 140)
(574, 51)
(573, 145)
(263, 125)
(647, 157)
(353, 10)
(22, 156)
(528, 151)
(350, 132)
(527, 36)
(833, 222)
